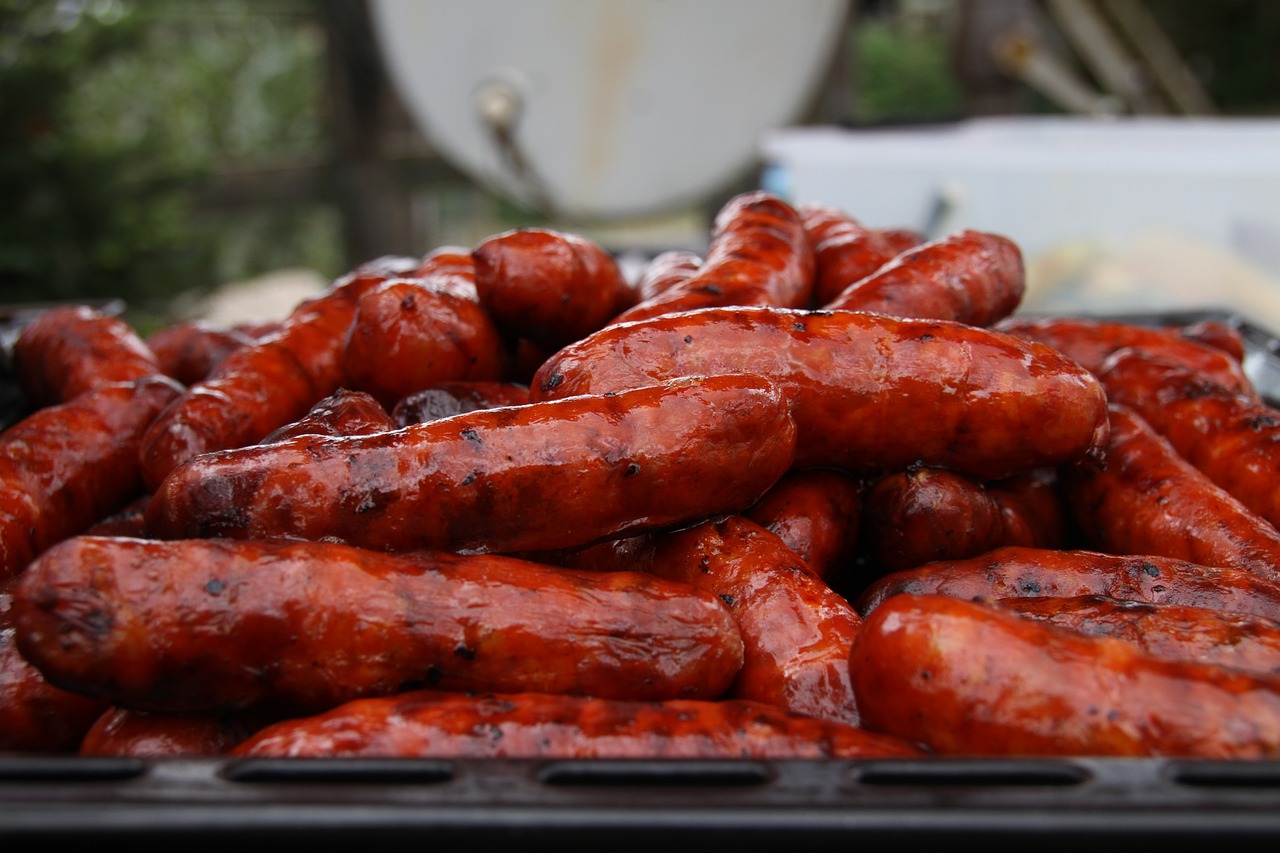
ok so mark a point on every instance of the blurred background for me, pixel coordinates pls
(226, 158)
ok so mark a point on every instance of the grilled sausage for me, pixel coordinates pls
(816, 513)
(68, 350)
(1238, 640)
(858, 384)
(1233, 438)
(796, 632)
(429, 724)
(664, 270)
(1222, 334)
(67, 466)
(844, 250)
(1150, 500)
(1012, 571)
(558, 474)
(344, 412)
(548, 286)
(974, 678)
(972, 277)
(454, 398)
(1090, 342)
(190, 351)
(217, 624)
(124, 732)
(758, 254)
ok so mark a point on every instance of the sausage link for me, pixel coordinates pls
(1150, 500)
(974, 678)
(869, 393)
(545, 476)
(665, 270)
(69, 350)
(758, 254)
(124, 732)
(190, 351)
(1090, 342)
(1014, 571)
(972, 277)
(454, 398)
(1222, 334)
(304, 626)
(1239, 640)
(429, 724)
(68, 466)
(844, 250)
(549, 286)
(344, 412)
(1233, 438)
(796, 632)
(816, 513)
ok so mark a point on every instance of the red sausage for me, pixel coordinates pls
(758, 254)
(665, 270)
(549, 286)
(974, 678)
(190, 351)
(869, 393)
(68, 350)
(304, 626)
(816, 513)
(1149, 500)
(558, 474)
(428, 724)
(1013, 571)
(844, 250)
(971, 277)
(68, 466)
(454, 398)
(142, 734)
(343, 412)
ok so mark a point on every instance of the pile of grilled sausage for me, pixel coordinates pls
(818, 491)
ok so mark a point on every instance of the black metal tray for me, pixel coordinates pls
(1044, 804)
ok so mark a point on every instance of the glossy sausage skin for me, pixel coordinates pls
(68, 350)
(666, 269)
(408, 334)
(344, 412)
(67, 466)
(558, 474)
(454, 398)
(35, 716)
(844, 250)
(758, 254)
(1222, 334)
(428, 724)
(1090, 342)
(972, 277)
(1013, 571)
(974, 678)
(816, 513)
(1239, 640)
(1234, 438)
(796, 632)
(258, 388)
(858, 384)
(304, 626)
(1150, 500)
(190, 351)
(549, 286)
(124, 732)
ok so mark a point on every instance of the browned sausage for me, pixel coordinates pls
(860, 385)
(1150, 500)
(304, 626)
(1234, 438)
(558, 474)
(68, 466)
(1033, 508)
(1222, 334)
(430, 724)
(454, 398)
(666, 269)
(261, 387)
(796, 631)
(68, 350)
(549, 286)
(816, 512)
(145, 734)
(1090, 342)
(972, 277)
(35, 716)
(189, 351)
(344, 412)
(758, 254)
(844, 250)
(974, 678)
(129, 521)
(409, 334)
(1240, 640)
(1013, 571)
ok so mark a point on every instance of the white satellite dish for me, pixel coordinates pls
(606, 110)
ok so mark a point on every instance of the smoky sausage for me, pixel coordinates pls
(816, 513)
(844, 250)
(454, 398)
(190, 351)
(344, 412)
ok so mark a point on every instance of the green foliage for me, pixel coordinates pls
(903, 74)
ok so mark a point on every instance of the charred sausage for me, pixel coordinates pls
(344, 412)
(454, 398)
